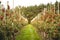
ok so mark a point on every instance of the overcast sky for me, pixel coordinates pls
(26, 2)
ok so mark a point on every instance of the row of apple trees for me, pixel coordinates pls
(11, 23)
(48, 25)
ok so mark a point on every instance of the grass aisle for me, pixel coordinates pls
(28, 33)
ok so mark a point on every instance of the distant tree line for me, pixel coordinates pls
(31, 11)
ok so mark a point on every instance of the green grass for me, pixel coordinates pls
(28, 33)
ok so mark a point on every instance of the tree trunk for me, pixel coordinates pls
(29, 21)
